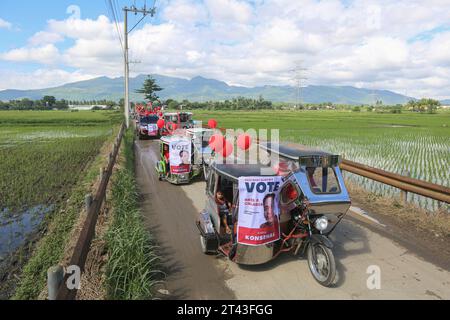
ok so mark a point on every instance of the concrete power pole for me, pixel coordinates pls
(135, 10)
(127, 71)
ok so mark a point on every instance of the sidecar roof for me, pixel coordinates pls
(234, 171)
(291, 153)
(169, 139)
(305, 156)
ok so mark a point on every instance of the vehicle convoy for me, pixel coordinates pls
(255, 212)
(146, 126)
(176, 120)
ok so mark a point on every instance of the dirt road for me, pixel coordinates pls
(361, 245)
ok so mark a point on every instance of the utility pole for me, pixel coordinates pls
(135, 10)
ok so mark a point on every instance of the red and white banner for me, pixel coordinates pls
(180, 156)
(258, 221)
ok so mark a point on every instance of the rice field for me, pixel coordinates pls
(42, 156)
(400, 143)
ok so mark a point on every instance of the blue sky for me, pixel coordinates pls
(401, 45)
(29, 17)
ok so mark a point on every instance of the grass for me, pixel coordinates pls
(48, 159)
(58, 118)
(131, 270)
(418, 143)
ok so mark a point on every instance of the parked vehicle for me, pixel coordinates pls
(147, 127)
(254, 213)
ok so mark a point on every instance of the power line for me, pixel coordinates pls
(113, 16)
(137, 52)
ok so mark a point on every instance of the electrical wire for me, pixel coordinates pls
(137, 54)
(112, 7)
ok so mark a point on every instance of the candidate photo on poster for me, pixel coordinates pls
(269, 211)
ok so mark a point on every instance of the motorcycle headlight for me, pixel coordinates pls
(321, 223)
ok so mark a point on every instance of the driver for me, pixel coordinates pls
(224, 210)
(166, 155)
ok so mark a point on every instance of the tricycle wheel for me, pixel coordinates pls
(321, 264)
(204, 245)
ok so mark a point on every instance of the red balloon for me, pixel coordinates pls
(216, 142)
(160, 123)
(227, 149)
(244, 141)
(212, 124)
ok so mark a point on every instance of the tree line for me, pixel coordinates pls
(46, 103)
(50, 103)
(239, 103)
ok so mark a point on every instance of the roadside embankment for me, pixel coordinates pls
(122, 264)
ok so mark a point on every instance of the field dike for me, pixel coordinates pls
(52, 246)
(121, 264)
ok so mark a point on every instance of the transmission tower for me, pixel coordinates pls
(299, 76)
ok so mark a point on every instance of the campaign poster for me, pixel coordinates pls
(180, 156)
(152, 129)
(258, 221)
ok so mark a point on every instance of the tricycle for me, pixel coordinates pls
(254, 212)
(146, 126)
(176, 160)
(202, 153)
(176, 120)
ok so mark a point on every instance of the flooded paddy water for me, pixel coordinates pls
(43, 155)
(417, 152)
(17, 227)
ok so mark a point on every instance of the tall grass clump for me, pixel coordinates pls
(131, 270)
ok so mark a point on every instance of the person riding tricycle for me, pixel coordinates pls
(271, 212)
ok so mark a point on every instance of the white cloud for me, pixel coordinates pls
(41, 78)
(185, 12)
(84, 28)
(5, 24)
(374, 44)
(45, 37)
(47, 54)
(229, 11)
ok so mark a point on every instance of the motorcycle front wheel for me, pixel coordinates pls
(321, 264)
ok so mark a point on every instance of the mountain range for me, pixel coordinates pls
(203, 89)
